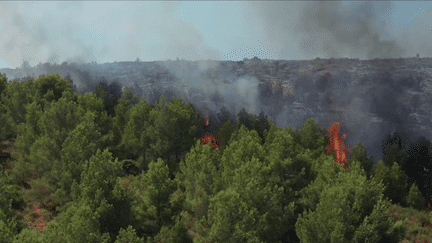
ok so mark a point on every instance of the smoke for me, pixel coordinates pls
(31, 39)
(75, 32)
(330, 29)
(209, 85)
(69, 32)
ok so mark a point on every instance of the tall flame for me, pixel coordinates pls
(337, 143)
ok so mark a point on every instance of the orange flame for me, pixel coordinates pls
(209, 137)
(337, 143)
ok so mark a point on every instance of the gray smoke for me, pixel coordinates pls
(328, 29)
(210, 85)
(56, 38)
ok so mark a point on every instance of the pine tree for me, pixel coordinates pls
(128, 99)
(350, 210)
(415, 198)
(128, 236)
(358, 153)
(395, 182)
(151, 206)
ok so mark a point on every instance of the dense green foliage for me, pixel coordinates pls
(414, 158)
(99, 167)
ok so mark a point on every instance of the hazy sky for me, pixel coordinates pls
(122, 31)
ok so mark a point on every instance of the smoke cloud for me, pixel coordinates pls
(150, 31)
(329, 29)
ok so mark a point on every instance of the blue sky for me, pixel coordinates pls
(122, 31)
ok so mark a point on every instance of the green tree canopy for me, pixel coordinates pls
(3, 83)
(5, 130)
(151, 206)
(310, 135)
(200, 178)
(246, 119)
(15, 98)
(80, 145)
(79, 223)
(289, 170)
(415, 199)
(261, 125)
(29, 130)
(176, 233)
(395, 182)
(350, 210)
(110, 94)
(58, 119)
(225, 132)
(394, 148)
(90, 102)
(33, 148)
(418, 166)
(51, 87)
(128, 99)
(358, 153)
(10, 195)
(27, 236)
(99, 177)
(98, 211)
(137, 123)
(171, 132)
(244, 145)
(324, 173)
(251, 208)
(128, 236)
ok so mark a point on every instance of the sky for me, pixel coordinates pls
(55, 32)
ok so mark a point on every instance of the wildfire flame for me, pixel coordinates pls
(209, 137)
(337, 143)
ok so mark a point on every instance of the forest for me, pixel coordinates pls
(99, 166)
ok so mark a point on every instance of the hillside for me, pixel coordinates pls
(374, 97)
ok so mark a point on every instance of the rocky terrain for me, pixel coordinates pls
(372, 97)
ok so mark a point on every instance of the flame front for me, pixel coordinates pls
(337, 144)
